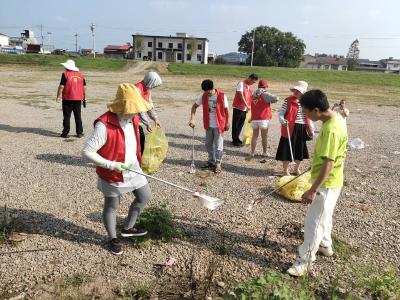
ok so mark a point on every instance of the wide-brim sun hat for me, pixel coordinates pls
(263, 83)
(300, 86)
(128, 101)
(70, 65)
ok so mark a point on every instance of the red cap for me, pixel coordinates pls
(263, 83)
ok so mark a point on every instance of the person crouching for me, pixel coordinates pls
(115, 143)
(215, 121)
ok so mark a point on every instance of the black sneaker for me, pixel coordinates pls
(64, 135)
(79, 135)
(115, 247)
(134, 231)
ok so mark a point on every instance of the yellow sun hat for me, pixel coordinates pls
(128, 101)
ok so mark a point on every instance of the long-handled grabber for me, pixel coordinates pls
(258, 200)
(290, 144)
(192, 166)
(208, 202)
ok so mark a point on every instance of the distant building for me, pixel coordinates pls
(4, 40)
(124, 51)
(27, 38)
(86, 52)
(180, 48)
(211, 58)
(236, 58)
(370, 65)
(393, 65)
(324, 63)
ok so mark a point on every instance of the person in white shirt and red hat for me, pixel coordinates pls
(261, 116)
(300, 129)
(72, 90)
(115, 143)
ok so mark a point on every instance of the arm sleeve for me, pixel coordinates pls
(199, 100)
(63, 80)
(257, 93)
(226, 105)
(239, 87)
(269, 98)
(94, 143)
(143, 118)
(84, 82)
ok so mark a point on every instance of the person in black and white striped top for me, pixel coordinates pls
(296, 129)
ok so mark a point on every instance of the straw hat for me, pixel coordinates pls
(128, 101)
(300, 86)
(70, 65)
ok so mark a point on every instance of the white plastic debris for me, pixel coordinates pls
(357, 143)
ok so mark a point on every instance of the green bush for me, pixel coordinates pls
(160, 224)
(383, 286)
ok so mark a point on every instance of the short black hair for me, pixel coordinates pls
(253, 76)
(207, 85)
(315, 99)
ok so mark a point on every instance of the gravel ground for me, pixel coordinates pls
(50, 190)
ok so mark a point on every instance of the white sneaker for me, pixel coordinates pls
(299, 268)
(325, 251)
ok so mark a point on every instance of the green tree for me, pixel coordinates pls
(273, 47)
(351, 64)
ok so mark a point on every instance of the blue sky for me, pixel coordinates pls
(325, 26)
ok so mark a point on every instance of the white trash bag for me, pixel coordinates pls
(357, 143)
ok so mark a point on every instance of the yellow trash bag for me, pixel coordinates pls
(155, 150)
(294, 190)
(247, 131)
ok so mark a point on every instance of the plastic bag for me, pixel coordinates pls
(357, 143)
(294, 190)
(155, 151)
(247, 131)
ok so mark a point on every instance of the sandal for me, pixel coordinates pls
(207, 165)
(217, 169)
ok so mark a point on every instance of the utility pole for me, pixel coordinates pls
(49, 42)
(252, 47)
(93, 46)
(76, 42)
(41, 34)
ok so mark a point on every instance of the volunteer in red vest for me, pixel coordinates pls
(261, 116)
(115, 142)
(241, 105)
(72, 90)
(300, 130)
(151, 80)
(215, 121)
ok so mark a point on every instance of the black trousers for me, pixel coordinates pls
(142, 139)
(238, 119)
(69, 106)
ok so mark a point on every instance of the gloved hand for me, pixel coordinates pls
(116, 166)
(282, 119)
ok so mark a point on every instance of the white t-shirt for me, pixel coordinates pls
(212, 105)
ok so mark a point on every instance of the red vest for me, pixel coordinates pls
(220, 112)
(114, 148)
(260, 110)
(293, 106)
(144, 91)
(74, 88)
(247, 93)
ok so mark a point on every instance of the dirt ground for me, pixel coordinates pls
(52, 192)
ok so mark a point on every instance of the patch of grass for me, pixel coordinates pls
(317, 77)
(7, 226)
(139, 292)
(343, 249)
(383, 286)
(160, 224)
(75, 281)
(272, 285)
(53, 61)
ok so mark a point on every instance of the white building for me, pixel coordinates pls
(179, 48)
(4, 40)
(393, 65)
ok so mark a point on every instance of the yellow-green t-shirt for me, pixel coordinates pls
(331, 144)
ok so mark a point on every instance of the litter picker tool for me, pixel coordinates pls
(208, 202)
(290, 143)
(256, 201)
(192, 166)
